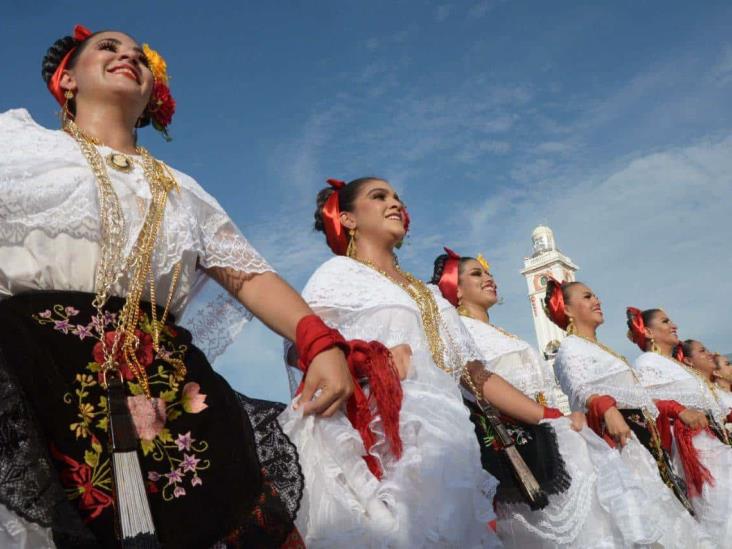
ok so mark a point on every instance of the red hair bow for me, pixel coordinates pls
(448, 283)
(81, 33)
(636, 327)
(554, 303)
(335, 233)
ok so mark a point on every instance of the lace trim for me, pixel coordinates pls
(28, 485)
(277, 454)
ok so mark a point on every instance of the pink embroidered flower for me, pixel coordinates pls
(179, 491)
(62, 325)
(71, 311)
(183, 442)
(193, 400)
(153, 475)
(196, 481)
(148, 415)
(189, 463)
(45, 314)
(174, 476)
(83, 331)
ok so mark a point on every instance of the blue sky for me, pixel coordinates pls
(608, 121)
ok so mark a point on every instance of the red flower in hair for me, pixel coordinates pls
(161, 106)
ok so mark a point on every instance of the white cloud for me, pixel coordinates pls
(654, 232)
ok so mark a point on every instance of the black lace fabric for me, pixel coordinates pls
(29, 485)
(277, 454)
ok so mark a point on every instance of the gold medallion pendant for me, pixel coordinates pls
(120, 162)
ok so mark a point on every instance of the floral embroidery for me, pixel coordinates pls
(179, 455)
(520, 436)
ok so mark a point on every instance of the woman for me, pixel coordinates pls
(601, 382)
(431, 490)
(92, 230)
(723, 373)
(592, 494)
(708, 365)
(700, 449)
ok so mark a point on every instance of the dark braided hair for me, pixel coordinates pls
(56, 53)
(346, 197)
(439, 266)
(686, 346)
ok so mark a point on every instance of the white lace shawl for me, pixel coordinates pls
(583, 369)
(666, 380)
(514, 360)
(49, 229)
(363, 304)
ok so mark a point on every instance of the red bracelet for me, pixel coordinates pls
(312, 337)
(552, 413)
(670, 408)
(596, 416)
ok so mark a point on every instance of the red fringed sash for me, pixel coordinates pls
(694, 470)
(366, 360)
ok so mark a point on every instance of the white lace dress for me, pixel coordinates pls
(49, 240)
(583, 515)
(583, 369)
(664, 379)
(437, 494)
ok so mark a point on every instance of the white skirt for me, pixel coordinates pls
(714, 505)
(660, 507)
(436, 495)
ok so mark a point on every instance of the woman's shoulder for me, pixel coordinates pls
(647, 360)
(336, 271)
(19, 133)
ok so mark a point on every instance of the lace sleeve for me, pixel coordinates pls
(214, 316)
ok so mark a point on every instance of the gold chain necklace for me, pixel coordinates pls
(430, 316)
(694, 373)
(139, 263)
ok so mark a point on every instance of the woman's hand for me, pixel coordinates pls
(616, 426)
(328, 372)
(694, 418)
(402, 356)
(578, 421)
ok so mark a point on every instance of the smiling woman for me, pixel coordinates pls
(114, 428)
(701, 450)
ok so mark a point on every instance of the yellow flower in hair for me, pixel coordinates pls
(483, 263)
(157, 64)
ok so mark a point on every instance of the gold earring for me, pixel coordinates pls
(351, 250)
(654, 348)
(66, 113)
(571, 328)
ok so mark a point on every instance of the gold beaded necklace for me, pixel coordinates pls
(430, 316)
(138, 265)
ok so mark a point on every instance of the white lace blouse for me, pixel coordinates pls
(363, 304)
(49, 229)
(514, 360)
(584, 369)
(664, 379)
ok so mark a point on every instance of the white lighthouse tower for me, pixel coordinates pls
(546, 260)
